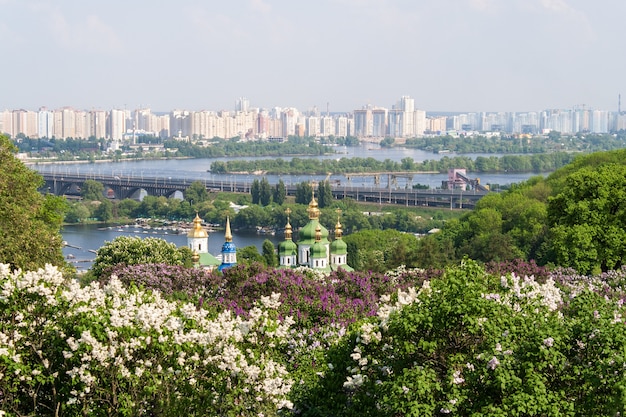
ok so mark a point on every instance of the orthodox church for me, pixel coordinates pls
(313, 249)
(198, 242)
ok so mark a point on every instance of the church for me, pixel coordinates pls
(313, 249)
(198, 242)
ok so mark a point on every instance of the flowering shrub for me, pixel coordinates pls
(340, 297)
(471, 343)
(67, 350)
(189, 283)
(520, 267)
(409, 342)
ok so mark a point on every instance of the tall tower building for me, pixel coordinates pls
(45, 123)
(116, 125)
(243, 105)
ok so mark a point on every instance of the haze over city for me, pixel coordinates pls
(461, 55)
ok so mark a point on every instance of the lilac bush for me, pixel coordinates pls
(112, 350)
(341, 297)
(191, 283)
(519, 267)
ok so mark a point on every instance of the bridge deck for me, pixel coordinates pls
(127, 187)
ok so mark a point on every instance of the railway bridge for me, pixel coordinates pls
(137, 188)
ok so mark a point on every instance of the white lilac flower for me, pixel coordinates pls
(457, 378)
(493, 363)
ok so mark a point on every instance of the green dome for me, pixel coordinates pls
(287, 247)
(307, 233)
(339, 247)
(318, 250)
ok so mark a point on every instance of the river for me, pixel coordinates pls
(197, 169)
(88, 238)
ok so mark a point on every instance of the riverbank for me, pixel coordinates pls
(51, 161)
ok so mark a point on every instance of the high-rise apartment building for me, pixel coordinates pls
(116, 124)
(363, 122)
(45, 123)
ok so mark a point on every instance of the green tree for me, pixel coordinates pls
(588, 220)
(196, 193)
(255, 191)
(92, 190)
(127, 207)
(77, 213)
(130, 250)
(104, 211)
(251, 217)
(269, 254)
(265, 192)
(30, 223)
(325, 194)
(304, 192)
(381, 250)
(249, 254)
(280, 193)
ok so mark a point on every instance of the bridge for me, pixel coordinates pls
(135, 188)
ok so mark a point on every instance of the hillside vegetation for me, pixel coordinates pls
(573, 218)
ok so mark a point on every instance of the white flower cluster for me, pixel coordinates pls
(385, 308)
(136, 334)
(519, 288)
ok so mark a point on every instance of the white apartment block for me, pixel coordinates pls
(403, 120)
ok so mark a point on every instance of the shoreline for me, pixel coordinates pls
(98, 161)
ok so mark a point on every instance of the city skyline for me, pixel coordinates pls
(402, 120)
(457, 56)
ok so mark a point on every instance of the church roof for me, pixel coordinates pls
(287, 247)
(206, 259)
(307, 233)
(197, 231)
(338, 247)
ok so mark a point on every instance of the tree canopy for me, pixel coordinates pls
(573, 218)
(130, 250)
(30, 222)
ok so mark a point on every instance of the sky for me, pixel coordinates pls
(336, 55)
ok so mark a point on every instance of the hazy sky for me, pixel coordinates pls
(449, 55)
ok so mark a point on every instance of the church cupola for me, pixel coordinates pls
(229, 251)
(287, 250)
(198, 238)
(319, 256)
(307, 234)
(338, 248)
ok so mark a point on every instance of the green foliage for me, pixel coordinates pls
(387, 142)
(324, 194)
(280, 193)
(474, 344)
(130, 250)
(196, 193)
(300, 166)
(30, 223)
(269, 253)
(255, 191)
(380, 251)
(249, 255)
(304, 192)
(77, 212)
(117, 351)
(92, 190)
(588, 219)
(104, 211)
(265, 192)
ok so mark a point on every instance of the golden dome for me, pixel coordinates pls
(314, 211)
(197, 231)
